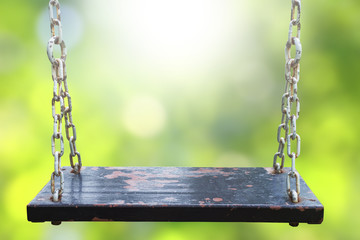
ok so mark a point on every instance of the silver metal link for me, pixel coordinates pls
(53, 107)
(50, 49)
(278, 168)
(289, 153)
(53, 148)
(57, 163)
(283, 102)
(73, 137)
(56, 4)
(293, 126)
(57, 193)
(72, 146)
(57, 126)
(69, 107)
(77, 166)
(56, 22)
(60, 97)
(294, 195)
(290, 100)
(281, 126)
(294, 4)
(290, 103)
(281, 146)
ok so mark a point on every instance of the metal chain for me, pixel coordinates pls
(60, 94)
(290, 99)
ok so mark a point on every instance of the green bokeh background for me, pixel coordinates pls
(221, 110)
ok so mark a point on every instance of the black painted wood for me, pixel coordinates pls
(176, 194)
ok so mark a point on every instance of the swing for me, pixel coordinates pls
(206, 194)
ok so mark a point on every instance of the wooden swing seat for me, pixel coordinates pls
(176, 194)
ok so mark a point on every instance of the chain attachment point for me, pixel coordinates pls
(57, 193)
(278, 168)
(294, 195)
(77, 166)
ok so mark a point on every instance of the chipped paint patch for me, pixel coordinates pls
(113, 175)
(276, 208)
(270, 170)
(232, 189)
(301, 209)
(202, 204)
(249, 185)
(217, 199)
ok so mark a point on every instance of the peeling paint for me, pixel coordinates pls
(113, 175)
(270, 170)
(301, 209)
(217, 199)
(276, 208)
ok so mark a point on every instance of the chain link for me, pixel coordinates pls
(60, 98)
(290, 98)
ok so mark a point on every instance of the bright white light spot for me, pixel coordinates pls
(170, 38)
(144, 116)
(72, 26)
(183, 31)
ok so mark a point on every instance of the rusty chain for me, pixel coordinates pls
(290, 99)
(59, 108)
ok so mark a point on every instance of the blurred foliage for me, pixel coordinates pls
(202, 101)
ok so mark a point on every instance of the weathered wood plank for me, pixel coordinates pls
(176, 194)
